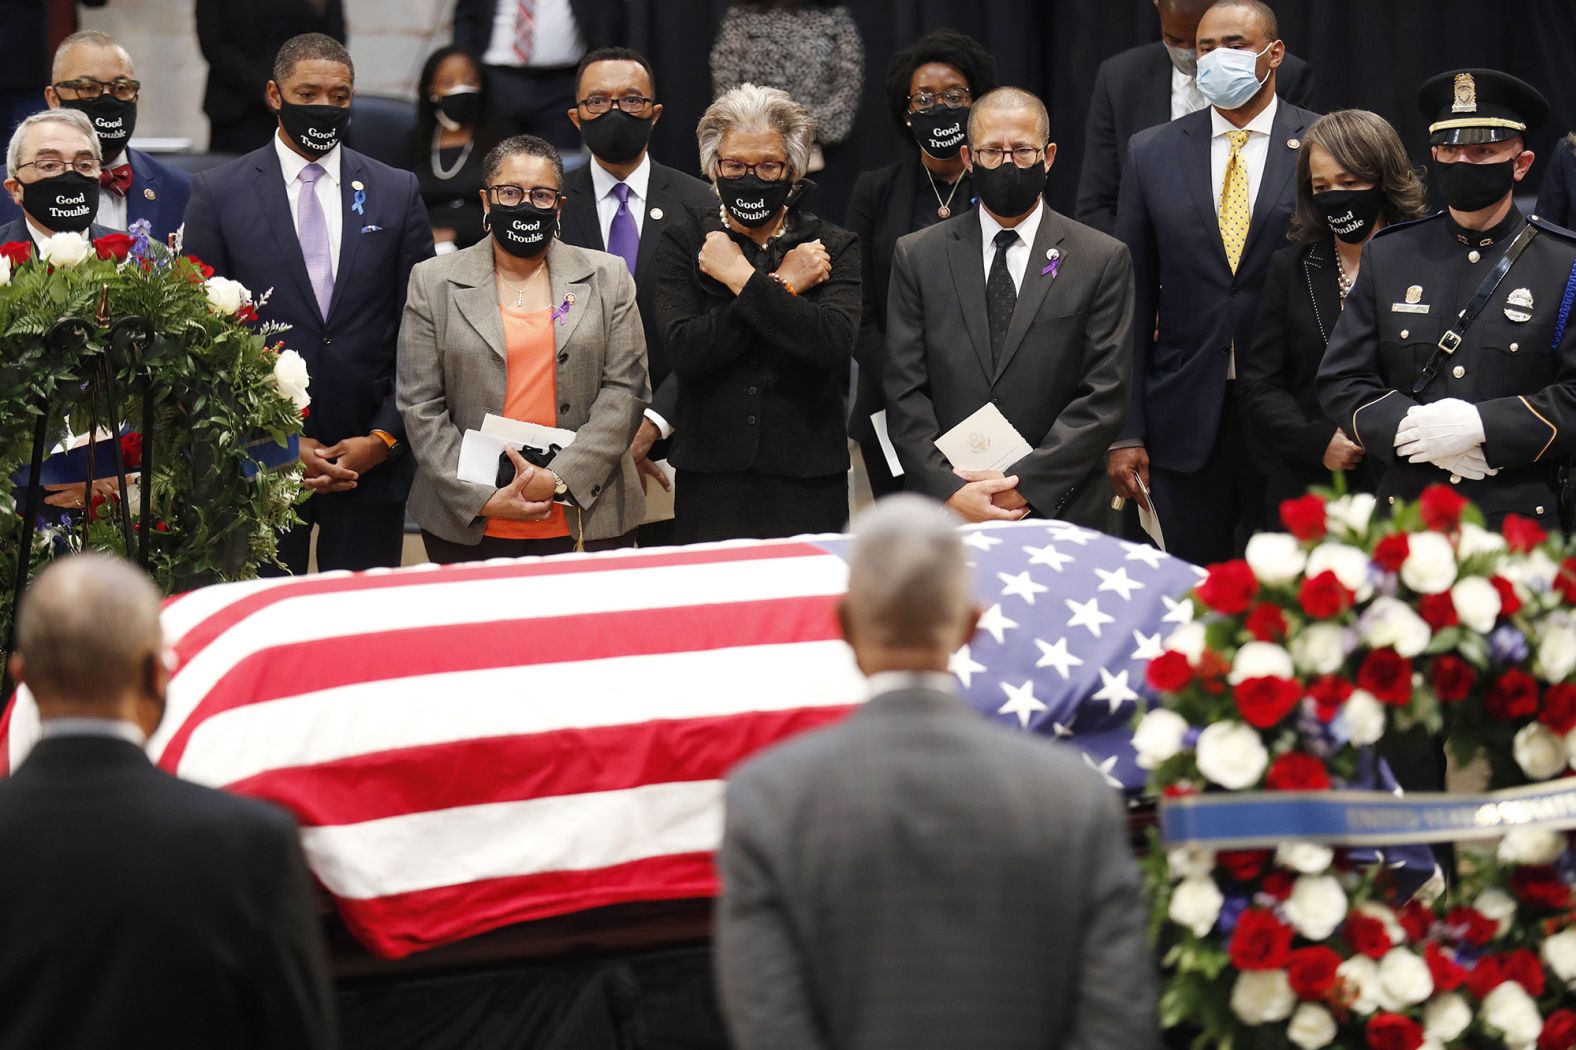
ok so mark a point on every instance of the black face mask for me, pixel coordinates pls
(524, 230)
(1473, 187)
(752, 201)
(1007, 189)
(316, 129)
(1350, 214)
(615, 136)
(112, 119)
(62, 203)
(462, 107)
(940, 133)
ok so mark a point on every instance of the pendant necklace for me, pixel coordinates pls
(943, 207)
(519, 292)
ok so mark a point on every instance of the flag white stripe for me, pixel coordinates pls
(464, 844)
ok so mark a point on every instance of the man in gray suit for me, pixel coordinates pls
(917, 877)
(1017, 306)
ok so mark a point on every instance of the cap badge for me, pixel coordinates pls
(1466, 94)
(1518, 305)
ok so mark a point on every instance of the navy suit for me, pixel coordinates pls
(16, 229)
(239, 222)
(1209, 495)
(169, 187)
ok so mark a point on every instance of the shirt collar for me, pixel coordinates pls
(291, 162)
(883, 682)
(1511, 223)
(1026, 229)
(110, 727)
(1262, 124)
(602, 180)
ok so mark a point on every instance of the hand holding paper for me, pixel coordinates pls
(984, 441)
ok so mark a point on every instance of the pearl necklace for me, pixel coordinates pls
(1343, 282)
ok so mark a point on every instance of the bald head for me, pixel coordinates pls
(86, 632)
(1008, 100)
(90, 53)
(908, 582)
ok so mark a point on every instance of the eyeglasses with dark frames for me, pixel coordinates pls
(767, 170)
(506, 195)
(952, 98)
(1022, 156)
(123, 88)
(634, 105)
(49, 167)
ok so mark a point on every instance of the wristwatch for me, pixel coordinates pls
(396, 447)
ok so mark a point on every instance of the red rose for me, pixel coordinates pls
(1393, 1032)
(1304, 517)
(1522, 534)
(1260, 941)
(1229, 588)
(1367, 935)
(1509, 602)
(1559, 1031)
(1513, 697)
(1311, 971)
(1472, 925)
(1438, 610)
(1244, 865)
(1451, 677)
(1485, 976)
(1541, 887)
(1297, 771)
(1565, 582)
(1329, 694)
(131, 449)
(1523, 967)
(1323, 596)
(18, 252)
(1387, 675)
(305, 412)
(246, 314)
(1265, 701)
(1390, 553)
(1441, 508)
(1559, 708)
(1267, 623)
(113, 246)
(1278, 884)
(1178, 790)
(202, 268)
(1169, 672)
(1415, 919)
(1447, 973)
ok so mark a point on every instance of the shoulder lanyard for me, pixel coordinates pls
(1450, 342)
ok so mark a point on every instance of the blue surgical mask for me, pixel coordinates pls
(1185, 59)
(1228, 77)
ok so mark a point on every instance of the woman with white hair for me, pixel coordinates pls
(758, 302)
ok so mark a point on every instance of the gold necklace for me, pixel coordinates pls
(943, 207)
(519, 292)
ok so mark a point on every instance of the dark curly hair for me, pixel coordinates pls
(956, 49)
(1368, 147)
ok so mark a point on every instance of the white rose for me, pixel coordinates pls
(1499, 906)
(1557, 650)
(1430, 566)
(1475, 539)
(1158, 737)
(1361, 976)
(1559, 954)
(1539, 751)
(1190, 860)
(1195, 904)
(1536, 571)
(1260, 660)
(225, 296)
(1305, 858)
(1536, 846)
(1349, 564)
(1187, 640)
(1350, 513)
(291, 378)
(1511, 1010)
(5, 271)
(1404, 979)
(1316, 906)
(1262, 997)
(1364, 718)
(1446, 1017)
(65, 249)
(1391, 622)
(1231, 754)
(1320, 648)
(1477, 603)
(1311, 1027)
(1275, 557)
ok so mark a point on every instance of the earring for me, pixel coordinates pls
(487, 221)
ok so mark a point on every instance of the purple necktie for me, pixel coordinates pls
(312, 229)
(622, 237)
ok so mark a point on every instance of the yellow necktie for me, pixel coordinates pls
(1235, 211)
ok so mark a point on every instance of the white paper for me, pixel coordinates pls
(984, 441)
(659, 501)
(1148, 517)
(518, 433)
(479, 458)
(878, 421)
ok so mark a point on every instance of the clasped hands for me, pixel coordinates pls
(1448, 434)
(337, 467)
(529, 497)
(988, 495)
(805, 266)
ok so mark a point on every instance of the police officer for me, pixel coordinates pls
(1452, 361)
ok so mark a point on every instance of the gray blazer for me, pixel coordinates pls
(453, 370)
(915, 878)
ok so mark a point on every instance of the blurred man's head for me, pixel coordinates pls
(908, 606)
(89, 644)
(1179, 29)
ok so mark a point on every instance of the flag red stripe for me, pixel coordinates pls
(511, 769)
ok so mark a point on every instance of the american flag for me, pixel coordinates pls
(473, 746)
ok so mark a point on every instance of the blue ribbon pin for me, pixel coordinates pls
(358, 203)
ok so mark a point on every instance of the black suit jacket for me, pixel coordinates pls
(1062, 380)
(141, 910)
(158, 193)
(601, 23)
(669, 195)
(240, 38)
(1132, 91)
(1168, 220)
(239, 223)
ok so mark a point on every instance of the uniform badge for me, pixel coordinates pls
(1466, 94)
(1414, 302)
(1414, 294)
(1518, 305)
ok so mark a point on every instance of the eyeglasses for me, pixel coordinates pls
(507, 196)
(1023, 156)
(952, 98)
(634, 105)
(767, 170)
(49, 167)
(123, 88)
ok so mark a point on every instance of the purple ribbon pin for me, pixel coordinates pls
(561, 311)
(1053, 267)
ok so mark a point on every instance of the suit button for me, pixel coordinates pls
(1458, 371)
(753, 391)
(1538, 511)
(1405, 333)
(1455, 479)
(596, 490)
(1473, 256)
(328, 341)
(1514, 347)
(563, 357)
(1235, 292)
(564, 407)
(750, 420)
(1392, 501)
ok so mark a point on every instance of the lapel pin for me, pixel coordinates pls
(1292, 144)
(656, 213)
(147, 191)
(355, 184)
(1053, 267)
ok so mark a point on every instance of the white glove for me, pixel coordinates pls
(1471, 465)
(1440, 431)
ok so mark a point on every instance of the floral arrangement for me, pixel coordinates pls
(1299, 659)
(217, 383)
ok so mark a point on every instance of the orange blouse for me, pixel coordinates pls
(531, 396)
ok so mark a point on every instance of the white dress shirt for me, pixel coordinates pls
(602, 183)
(1254, 153)
(900, 681)
(115, 728)
(1185, 95)
(556, 40)
(112, 209)
(327, 189)
(1018, 253)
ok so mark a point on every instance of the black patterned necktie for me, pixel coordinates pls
(1001, 295)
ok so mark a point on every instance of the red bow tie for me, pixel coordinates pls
(117, 179)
